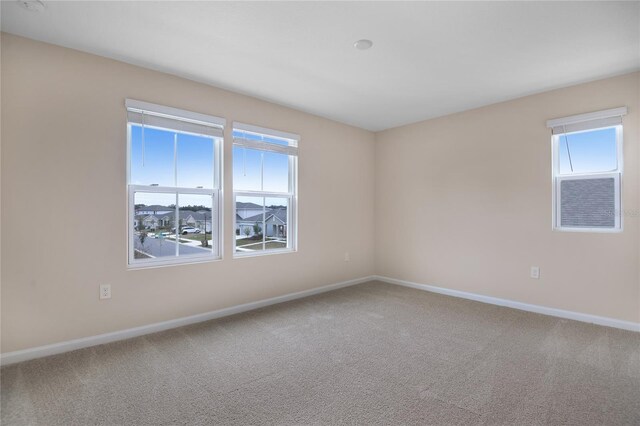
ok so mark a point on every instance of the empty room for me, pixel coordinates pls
(319, 213)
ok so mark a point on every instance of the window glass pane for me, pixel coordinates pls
(196, 225)
(276, 172)
(276, 223)
(588, 203)
(586, 152)
(247, 168)
(152, 156)
(153, 223)
(195, 161)
(249, 224)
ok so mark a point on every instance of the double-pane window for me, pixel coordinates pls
(265, 164)
(587, 171)
(173, 185)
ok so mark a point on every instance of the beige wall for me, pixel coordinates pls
(464, 202)
(63, 161)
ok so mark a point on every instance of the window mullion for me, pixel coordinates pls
(176, 221)
(263, 194)
(262, 171)
(175, 160)
(264, 224)
(131, 218)
(171, 189)
(175, 183)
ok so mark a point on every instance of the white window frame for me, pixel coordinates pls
(163, 117)
(292, 195)
(599, 120)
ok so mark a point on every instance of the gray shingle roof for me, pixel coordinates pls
(240, 205)
(196, 215)
(255, 218)
(279, 213)
(154, 207)
(183, 214)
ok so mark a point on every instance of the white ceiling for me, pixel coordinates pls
(429, 58)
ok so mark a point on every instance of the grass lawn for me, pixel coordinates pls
(137, 254)
(195, 237)
(257, 244)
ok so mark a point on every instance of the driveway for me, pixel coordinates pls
(161, 247)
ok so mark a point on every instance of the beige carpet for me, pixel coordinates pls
(370, 354)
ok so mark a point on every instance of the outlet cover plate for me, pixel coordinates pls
(535, 272)
(105, 291)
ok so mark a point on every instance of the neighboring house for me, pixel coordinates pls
(163, 218)
(200, 219)
(245, 210)
(275, 223)
(153, 210)
(149, 221)
(145, 221)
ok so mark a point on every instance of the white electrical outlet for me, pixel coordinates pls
(535, 272)
(105, 291)
(347, 258)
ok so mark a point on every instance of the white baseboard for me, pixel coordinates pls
(57, 348)
(71, 345)
(594, 319)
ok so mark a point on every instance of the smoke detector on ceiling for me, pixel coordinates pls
(363, 44)
(32, 5)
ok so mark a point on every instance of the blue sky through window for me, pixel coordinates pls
(590, 151)
(165, 151)
(193, 157)
(247, 167)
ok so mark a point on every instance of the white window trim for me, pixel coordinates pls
(583, 123)
(265, 146)
(589, 120)
(174, 113)
(216, 192)
(291, 196)
(292, 137)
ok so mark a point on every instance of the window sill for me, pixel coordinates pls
(176, 262)
(263, 253)
(590, 230)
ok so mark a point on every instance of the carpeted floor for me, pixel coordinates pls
(369, 354)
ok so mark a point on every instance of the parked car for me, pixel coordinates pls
(190, 230)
